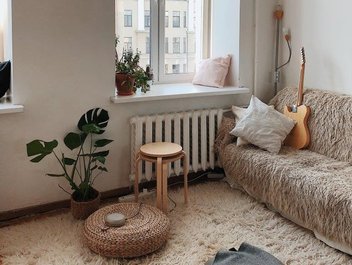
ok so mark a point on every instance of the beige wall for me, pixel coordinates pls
(63, 57)
(323, 27)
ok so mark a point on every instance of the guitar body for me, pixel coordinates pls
(299, 137)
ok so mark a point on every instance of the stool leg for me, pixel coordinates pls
(159, 183)
(165, 175)
(185, 176)
(136, 178)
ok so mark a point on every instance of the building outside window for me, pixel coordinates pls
(166, 45)
(185, 68)
(147, 45)
(166, 68)
(176, 19)
(166, 19)
(185, 19)
(128, 18)
(147, 18)
(175, 68)
(127, 43)
(184, 45)
(176, 45)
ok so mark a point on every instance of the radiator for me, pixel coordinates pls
(194, 130)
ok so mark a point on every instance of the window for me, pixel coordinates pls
(176, 45)
(172, 50)
(185, 19)
(176, 19)
(147, 45)
(166, 19)
(166, 45)
(128, 18)
(127, 43)
(184, 45)
(175, 68)
(147, 18)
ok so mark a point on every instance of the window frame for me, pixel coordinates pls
(176, 43)
(178, 24)
(146, 18)
(127, 18)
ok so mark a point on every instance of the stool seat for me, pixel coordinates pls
(161, 149)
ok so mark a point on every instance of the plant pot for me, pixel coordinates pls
(124, 84)
(81, 210)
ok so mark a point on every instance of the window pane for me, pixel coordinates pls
(128, 18)
(176, 19)
(182, 35)
(147, 18)
(127, 43)
(133, 28)
(166, 19)
(166, 45)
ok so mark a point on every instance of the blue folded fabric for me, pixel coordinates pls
(245, 255)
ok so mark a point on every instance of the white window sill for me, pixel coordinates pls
(175, 91)
(10, 108)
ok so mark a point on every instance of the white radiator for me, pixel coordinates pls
(194, 130)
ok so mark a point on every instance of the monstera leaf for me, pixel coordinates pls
(40, 149)
(96, 116)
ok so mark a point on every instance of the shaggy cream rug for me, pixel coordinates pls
(217, 217)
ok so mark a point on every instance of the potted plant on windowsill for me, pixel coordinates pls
(87, 163)
(129, 75)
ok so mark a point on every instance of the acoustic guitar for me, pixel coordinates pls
(299, 137)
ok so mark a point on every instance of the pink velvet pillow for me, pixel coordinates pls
(212, 72)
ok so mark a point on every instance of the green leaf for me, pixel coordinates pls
(68, 161)
(91, 128)
(101, 159)
(102, 153)
(103, 169)
(41, 149)
(72, 140)
(97, 154)
(97, 116)
(102, 142)
(56, 175)
(34, 148)
(38, 158)
(50, 146)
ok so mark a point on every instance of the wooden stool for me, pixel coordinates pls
(161, 153)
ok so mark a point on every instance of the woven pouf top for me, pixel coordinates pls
(146, 230)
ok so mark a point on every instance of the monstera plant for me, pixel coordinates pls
(84, 164)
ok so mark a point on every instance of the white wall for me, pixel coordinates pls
(246, 30)
(264, 49)
(63, 59)
(323, 27)
(225, 34)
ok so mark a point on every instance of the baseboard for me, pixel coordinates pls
(7, 216)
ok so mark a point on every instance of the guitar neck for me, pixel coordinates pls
(300, 86)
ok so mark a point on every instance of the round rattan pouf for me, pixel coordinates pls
(146, 230)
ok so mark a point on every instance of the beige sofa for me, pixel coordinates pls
(311, 187)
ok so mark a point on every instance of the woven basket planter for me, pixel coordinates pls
(81, 210)
(142, 234)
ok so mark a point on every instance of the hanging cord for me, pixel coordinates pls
(289, 56)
